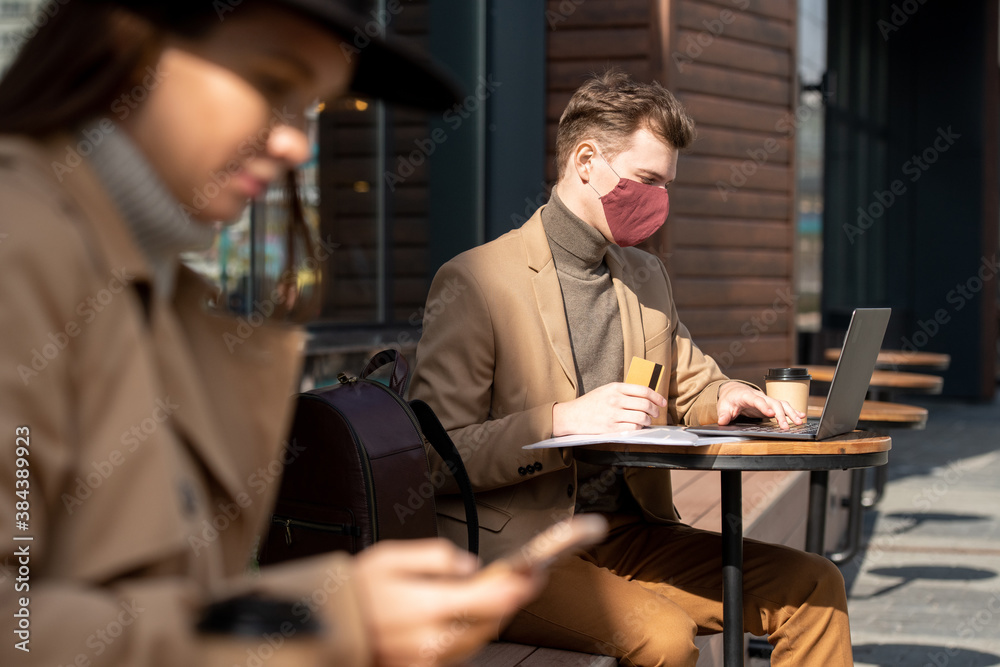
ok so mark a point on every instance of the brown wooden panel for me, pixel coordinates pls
(720, 262)
(702, 16)
(561, 14)
(547, 657)
(778, 9)
(735, 322)
(501, 654)
(687, 232)
(727, 82)
(743, 203)
(693, 46)
(704, 170)
(722, 111)
(690, 292)
(556, 103)
(754, 373)
(764, 508)
(570, 74)
(727, 352)
(690, 480)
(758, 147)
(589, 44)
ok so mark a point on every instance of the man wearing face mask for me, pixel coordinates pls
(528, 337)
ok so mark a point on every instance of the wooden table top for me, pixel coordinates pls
(898, 380)
(856, 442)
(879, 413)
(894, 359)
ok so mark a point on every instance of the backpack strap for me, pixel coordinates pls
(443, 445)
(398, 376)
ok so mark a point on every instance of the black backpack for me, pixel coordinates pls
(359, 472)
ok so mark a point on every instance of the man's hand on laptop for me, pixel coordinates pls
(736, 398)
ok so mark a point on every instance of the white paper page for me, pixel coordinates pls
(654, 435)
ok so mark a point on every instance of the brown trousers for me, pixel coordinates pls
(645, 593)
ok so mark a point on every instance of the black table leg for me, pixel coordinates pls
(732, 568)
(819, 481)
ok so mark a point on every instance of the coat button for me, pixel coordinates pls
(538, 466)
(189, 499)
(522, 471)
(569, 491)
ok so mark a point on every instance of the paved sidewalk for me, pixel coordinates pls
(925, 590)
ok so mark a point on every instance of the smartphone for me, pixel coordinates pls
(558, 539)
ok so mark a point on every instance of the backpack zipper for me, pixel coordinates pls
(336, 528)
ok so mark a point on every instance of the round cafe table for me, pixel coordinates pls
(859, 449)
(901, 359)
(878, 415)
(885, 383)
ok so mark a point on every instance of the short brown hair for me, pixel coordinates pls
(612, 106)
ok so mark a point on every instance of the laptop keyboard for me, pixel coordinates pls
(808, 427)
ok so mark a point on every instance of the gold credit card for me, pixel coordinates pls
(648, 374)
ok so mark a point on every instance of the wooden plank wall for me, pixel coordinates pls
(728, 243)
(731, 232)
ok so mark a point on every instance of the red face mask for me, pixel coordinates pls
(634, 210)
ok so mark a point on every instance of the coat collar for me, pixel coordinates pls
(82, 190)
(230, 378)
(552, 310)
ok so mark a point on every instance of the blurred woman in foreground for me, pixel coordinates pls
(126, 134)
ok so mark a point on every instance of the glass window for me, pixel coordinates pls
(809, 125)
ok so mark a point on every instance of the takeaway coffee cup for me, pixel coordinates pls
(254, 629)
(789, 384)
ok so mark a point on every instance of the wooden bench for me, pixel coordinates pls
(506, 654)
(774, 510)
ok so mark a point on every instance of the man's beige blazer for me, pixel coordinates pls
(495, 356)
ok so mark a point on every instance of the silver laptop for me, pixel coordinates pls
(847, 389)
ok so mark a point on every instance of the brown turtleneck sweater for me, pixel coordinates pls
(595, 331)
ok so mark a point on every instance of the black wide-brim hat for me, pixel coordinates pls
(388, 67)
